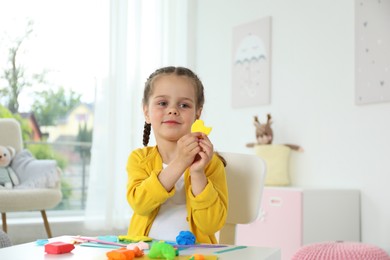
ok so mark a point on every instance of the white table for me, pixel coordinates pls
(33, 251)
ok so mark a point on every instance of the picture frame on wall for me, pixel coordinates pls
(251, 63)
(372, 52)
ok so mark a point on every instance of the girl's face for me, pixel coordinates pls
(171, 109)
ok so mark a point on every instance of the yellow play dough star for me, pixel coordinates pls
(198, 126)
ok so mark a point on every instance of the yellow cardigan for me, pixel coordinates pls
(206, 212)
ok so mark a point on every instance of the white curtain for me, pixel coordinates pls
(142, 36)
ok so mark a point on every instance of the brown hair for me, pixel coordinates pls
(179, 71)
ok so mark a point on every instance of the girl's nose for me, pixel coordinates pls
(173, 112)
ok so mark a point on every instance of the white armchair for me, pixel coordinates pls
(30, 199)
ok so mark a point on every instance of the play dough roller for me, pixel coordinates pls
(198, 126)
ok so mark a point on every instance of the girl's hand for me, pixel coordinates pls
(197, 169)
(204, 156)
(187, 148)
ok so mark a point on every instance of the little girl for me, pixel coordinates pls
(180, 183)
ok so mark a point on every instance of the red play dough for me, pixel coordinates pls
(58, 248)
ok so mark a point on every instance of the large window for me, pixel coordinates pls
(50, 60)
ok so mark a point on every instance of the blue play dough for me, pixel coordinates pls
(108, 238)
(42, 242)
(185, 238)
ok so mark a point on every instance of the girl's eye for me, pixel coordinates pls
(184, 106)
(162, 103)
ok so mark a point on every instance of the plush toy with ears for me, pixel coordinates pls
(265, 135)
(8, 177)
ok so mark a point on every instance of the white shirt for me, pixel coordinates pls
(171, 218)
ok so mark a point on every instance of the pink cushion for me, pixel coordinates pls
(340, 251)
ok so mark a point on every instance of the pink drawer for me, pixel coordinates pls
(279, 224)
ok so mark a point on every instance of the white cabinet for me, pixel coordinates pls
(291, 217)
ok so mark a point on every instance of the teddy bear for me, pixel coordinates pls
(8, 177)
(264, 134)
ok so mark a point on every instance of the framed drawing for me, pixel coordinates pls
(372, 51)
(251, 64)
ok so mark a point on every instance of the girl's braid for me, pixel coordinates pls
(147, 128)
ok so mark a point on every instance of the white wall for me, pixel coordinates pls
(312, 99)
